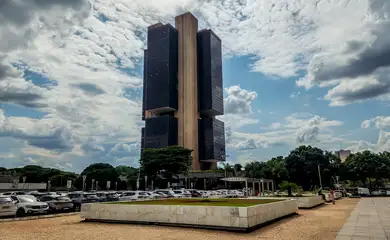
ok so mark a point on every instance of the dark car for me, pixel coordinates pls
(57, 203)
(78, 198)
(195, 193)
(107, 196)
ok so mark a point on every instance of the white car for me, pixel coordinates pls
(27, 204)
(133, 196)
(169, 193)
(7, 207)
(154, 195)
(183, 193)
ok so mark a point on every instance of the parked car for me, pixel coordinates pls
(107, 196)
(36, 194)
(28, 204)
(194, 193)
(154, 195)
(57, 203)
(364, 192)
(183, 193)
(169, 193)
(134, 195)
(7, 207)
(78, 198)
(13, 193)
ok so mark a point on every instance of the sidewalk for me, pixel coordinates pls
(369, 220)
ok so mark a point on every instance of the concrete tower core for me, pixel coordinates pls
(187, 114)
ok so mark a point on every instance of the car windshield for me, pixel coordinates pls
(29, 199)
(112, 195)
(177, 192)
(62, 198)
(90, 196)
(4, 200)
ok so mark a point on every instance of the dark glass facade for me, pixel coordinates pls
(210, 74)
(211, 139)
(160, 132)
(161, 69)
(142, 139)
(144, 83)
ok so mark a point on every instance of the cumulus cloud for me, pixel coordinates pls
(359, 68)
(380, 122)
(296, 129)
(239, 101)
(42, 133)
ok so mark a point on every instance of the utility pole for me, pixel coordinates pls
(319, 175)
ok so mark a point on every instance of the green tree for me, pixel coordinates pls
(369, 168)
(168, 162)
(289, 187)
(276, 170)
(302, 165)
(256, 169)
(101, 172)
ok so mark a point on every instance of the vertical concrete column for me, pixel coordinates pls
(260, 190)
(273, 188)
(262, 186)
(187, 114)
(267, 186)
(246, 188)
(253, 189)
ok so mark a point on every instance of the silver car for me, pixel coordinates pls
(7, 207)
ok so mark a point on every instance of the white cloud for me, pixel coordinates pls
(297, 129)
(380, 122)
(238, 101)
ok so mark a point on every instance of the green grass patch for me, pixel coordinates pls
(223, 202)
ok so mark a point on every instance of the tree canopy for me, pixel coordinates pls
(167, 162)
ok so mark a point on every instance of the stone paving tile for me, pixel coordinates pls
(370, 220)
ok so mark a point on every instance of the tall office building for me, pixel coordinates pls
(183, 91)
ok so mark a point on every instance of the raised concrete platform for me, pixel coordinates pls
(213, 217)
(369, 220)
(303, 202)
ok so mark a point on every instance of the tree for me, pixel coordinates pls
(237, 167)
(276, 170)
(255, 169)
(168, 162)
(302, 165)
(289, 187)
(368, 168)
(101, 172)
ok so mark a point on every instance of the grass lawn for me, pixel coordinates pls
(227, 202)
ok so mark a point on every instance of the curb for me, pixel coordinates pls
(37, 217)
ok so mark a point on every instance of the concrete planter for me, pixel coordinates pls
(309, 202)
(337, 195)
(229, 218)
(303, 202)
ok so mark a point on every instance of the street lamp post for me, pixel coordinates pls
(319, 175)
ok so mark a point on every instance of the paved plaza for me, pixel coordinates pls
(369, 220)
(321, 223)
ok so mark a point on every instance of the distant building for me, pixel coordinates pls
(343, 154)
(10, 182)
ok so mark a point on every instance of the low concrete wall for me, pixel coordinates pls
(234, 218)
(303, 202)
(337, 195)
(309, 202)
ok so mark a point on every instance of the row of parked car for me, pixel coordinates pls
(28, 203)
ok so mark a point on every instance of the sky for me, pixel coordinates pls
(295, 72)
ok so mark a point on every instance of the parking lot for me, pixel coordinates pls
(320, 223)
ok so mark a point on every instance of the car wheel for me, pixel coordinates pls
(20, 213)
(77, 208)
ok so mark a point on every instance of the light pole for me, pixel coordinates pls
(319, 175)
(84, 178)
